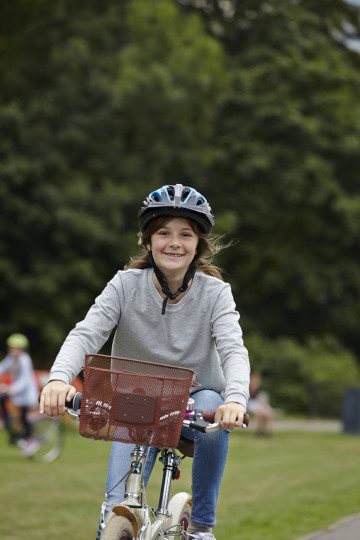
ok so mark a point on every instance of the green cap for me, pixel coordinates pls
(17, 340)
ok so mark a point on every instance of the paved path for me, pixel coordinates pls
(345, 529)
(308, 425)
(282, 424)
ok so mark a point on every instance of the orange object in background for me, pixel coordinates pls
(42, 376)
(5, 378)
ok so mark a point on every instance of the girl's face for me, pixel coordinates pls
(173, 247)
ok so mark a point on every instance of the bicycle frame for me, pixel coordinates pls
(135, 507)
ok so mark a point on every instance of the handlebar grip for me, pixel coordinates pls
(75, 402)
(209, 416)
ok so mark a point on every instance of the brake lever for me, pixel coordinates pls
(197, 422)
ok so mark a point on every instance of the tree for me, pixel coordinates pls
(97, 108)
(287, 160)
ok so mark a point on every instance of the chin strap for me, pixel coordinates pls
(165, 286)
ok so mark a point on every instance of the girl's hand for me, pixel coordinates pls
(54, 397)
(230, 415)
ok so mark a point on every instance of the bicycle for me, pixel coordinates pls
(147, 404)
(47, 434)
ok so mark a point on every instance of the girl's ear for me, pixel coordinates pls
(148, 247)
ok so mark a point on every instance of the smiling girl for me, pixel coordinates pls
(169, 305)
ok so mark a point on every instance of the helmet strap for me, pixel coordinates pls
(165, 286)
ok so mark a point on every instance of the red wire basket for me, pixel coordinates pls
(134, 401)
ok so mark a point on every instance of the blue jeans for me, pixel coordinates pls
(208, 464)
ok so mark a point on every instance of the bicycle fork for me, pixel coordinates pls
(171, 462)
(135, 506)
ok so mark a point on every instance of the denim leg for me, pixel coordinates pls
(209, 461)
(119, 465)
(150, 462)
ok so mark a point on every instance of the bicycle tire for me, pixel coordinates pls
(180, 509)
(49, 432)
(185, 516)
(118, 528)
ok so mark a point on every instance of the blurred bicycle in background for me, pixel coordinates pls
(47, 433)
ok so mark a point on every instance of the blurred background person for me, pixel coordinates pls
(259, 406)
(22, 391)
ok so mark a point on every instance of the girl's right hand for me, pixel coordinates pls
(54, 397)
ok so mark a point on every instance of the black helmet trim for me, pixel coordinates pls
(177, 201)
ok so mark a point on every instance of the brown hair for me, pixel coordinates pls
(207, 247)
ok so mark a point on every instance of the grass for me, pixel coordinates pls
(279, 488)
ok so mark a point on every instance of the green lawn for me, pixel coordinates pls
(274, 489)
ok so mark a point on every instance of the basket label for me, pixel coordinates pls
(135, 409)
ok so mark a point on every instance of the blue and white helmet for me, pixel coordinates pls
(177, 201)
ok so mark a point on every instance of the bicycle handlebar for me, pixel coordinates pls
(209, 416)
(203, 421)
(75, 403)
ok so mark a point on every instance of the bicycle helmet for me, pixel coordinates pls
(176, 201)
(17, 340)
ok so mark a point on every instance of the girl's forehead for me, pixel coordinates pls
(178, 223)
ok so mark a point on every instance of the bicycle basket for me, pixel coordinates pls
(134, 401)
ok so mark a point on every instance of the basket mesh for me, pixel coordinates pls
(134, 401)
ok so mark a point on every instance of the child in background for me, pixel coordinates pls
(22, 391)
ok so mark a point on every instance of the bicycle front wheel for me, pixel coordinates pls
(118, 528)
(180, 510)
(49, 432)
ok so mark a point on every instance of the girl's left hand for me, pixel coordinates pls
(230, 415)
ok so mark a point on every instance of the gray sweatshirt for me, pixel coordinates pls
(200, 332)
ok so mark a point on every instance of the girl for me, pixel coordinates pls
(169, 306)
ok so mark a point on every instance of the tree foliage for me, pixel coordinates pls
(99, 104)
(255, 104)
(285, 171)
(304, 376)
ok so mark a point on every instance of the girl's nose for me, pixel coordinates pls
(174, 241)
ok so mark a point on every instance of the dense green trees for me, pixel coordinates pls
(254, 103)
(98, 107)
(288, 149)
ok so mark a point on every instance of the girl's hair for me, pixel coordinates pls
(207, 247)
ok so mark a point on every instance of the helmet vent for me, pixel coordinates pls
(155, 196)
(170, 191)
(185, 194)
